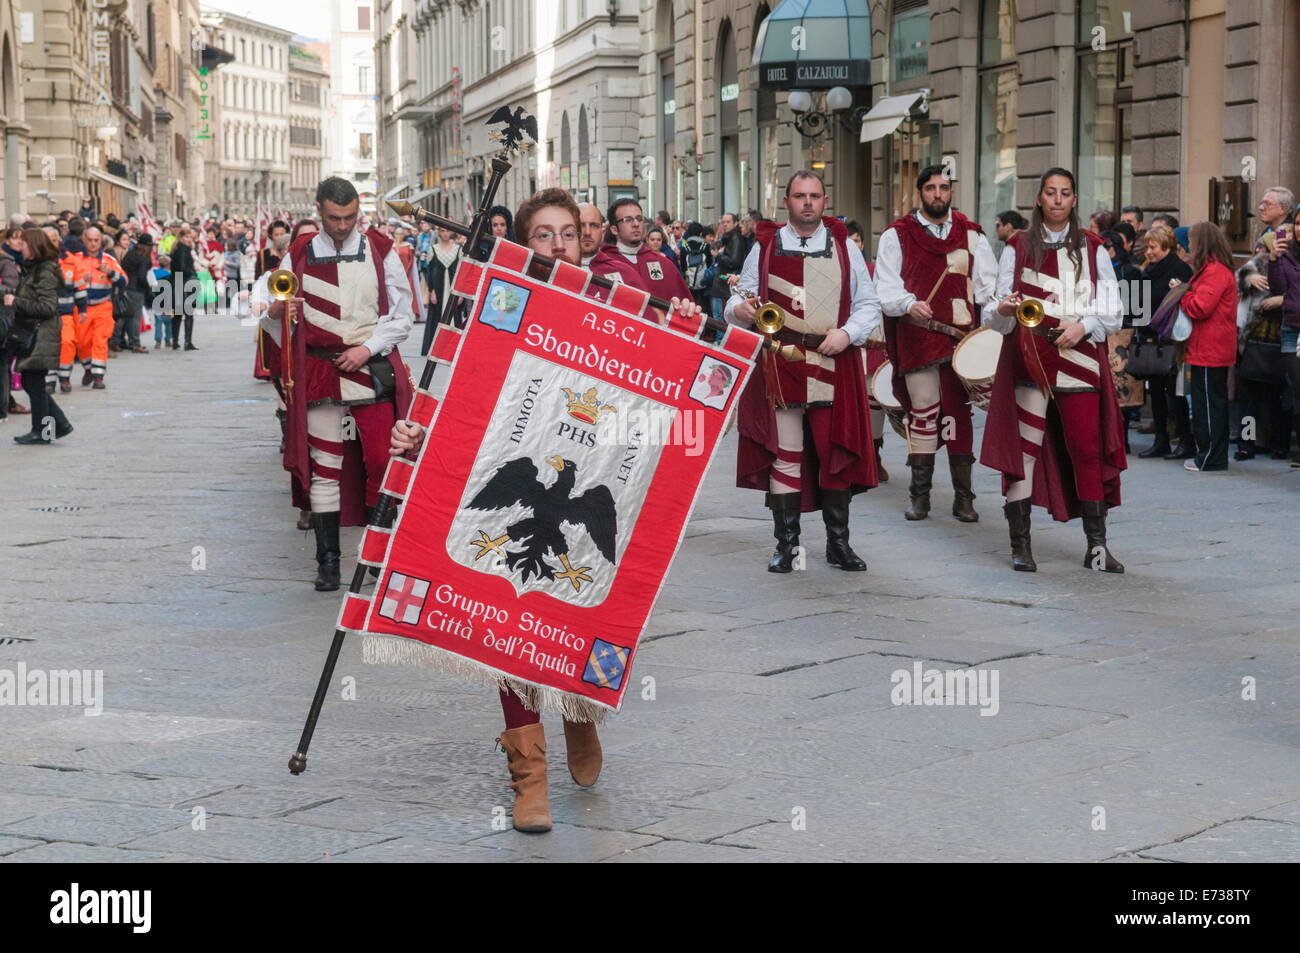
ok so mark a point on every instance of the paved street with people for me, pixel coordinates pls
(1148, 716)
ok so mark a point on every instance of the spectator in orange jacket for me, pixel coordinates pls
(101, 272)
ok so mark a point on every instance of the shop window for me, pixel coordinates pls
(1103, 162)
(998, 81)
(909, 42)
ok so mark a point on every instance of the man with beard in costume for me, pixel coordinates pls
(804, 425)
(934, 268)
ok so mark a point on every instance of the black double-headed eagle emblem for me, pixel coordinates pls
(539, 534)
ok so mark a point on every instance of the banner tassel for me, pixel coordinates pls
(390, 650)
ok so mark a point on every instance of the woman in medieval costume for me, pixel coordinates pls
(1055, 430)
(549, 224)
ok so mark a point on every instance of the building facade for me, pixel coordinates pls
(572, 64)
(353, 93)
(1149, 103)
(309, 126)
(249, 115)
(14, 142)
(179, 189)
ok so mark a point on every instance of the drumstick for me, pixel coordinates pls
(946, 272)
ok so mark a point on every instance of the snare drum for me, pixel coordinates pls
(881, 390)
(975, 361)
(882, 386)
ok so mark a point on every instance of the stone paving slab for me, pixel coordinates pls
(1236, 841)
(105, 825)
(770, 696)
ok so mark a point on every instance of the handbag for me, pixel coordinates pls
(1261, 361)
(17, 337)
(1150, 359)
(1166, 316)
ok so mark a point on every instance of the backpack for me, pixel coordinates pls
(696, 265)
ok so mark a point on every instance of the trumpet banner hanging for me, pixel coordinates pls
(552, 490)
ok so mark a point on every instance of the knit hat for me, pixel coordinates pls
(144, 239)
(1180, 236)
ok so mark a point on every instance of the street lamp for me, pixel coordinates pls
(815, 123)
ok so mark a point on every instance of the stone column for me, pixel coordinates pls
(1159, 44)
(1045, 102)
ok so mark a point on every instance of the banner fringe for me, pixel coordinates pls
(391, 650)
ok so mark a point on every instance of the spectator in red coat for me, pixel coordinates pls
(1211, 303)
(630, 260)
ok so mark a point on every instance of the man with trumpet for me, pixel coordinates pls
(804, 426)
(1054, 429)
(934, 268)
(355, 309)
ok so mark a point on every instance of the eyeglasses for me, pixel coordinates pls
(546, 236)
(628, 219)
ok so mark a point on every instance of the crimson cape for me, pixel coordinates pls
(852, 457)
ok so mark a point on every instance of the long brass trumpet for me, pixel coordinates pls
(768, 320)
(1030, 313)
(282, 284)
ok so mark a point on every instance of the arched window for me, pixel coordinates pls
(565, 150)
(582, 134)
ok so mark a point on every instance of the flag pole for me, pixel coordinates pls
(383, 512)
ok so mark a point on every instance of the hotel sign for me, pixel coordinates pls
(818, 74)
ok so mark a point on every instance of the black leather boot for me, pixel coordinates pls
(327, 550)
(1157, 449)
(963, 497)
(1022, 557)
(1094, 528)
(882, 475)
(835, 513)
(785, 519)
(922, 466)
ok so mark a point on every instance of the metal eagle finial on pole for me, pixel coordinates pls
(517, 124)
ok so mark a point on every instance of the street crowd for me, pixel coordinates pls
(111, 272)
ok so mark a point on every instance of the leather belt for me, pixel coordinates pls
(323, 353)
(809, 342)
(938, 327)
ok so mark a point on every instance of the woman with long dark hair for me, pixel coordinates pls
(36, 307)
(1054, 429)
(1211, 304)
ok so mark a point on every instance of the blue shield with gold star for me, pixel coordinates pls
(606, 665)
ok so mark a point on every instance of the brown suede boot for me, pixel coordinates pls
(584, 752)
(526, 750)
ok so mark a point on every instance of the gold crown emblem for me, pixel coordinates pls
(588, 407)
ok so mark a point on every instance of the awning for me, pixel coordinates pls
(887, 115)
(814, 44)
(115, 180)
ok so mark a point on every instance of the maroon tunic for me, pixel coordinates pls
(652, 273)
(924, 260)
(1053, 475)
(852, 459)
(317, 380)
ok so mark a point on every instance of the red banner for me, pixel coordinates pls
(551, 493)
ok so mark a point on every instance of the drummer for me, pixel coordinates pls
(934, 271)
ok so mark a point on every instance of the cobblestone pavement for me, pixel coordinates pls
(1121, 731)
